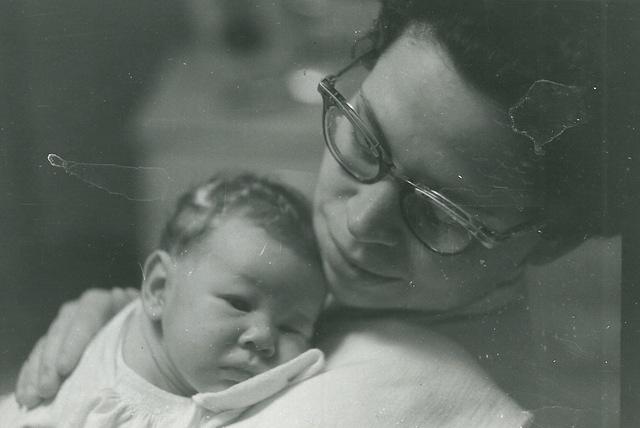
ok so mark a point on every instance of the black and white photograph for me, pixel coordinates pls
(319, 213)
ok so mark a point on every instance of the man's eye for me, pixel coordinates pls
(238, 303)
(360, 138)
(361, 142)
(443, 217)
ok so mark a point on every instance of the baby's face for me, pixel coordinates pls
(239, 304)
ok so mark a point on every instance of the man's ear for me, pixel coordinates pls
(157, 269)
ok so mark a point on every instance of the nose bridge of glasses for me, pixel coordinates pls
(349, 81)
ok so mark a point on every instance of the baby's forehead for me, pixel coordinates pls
(242, 251)
(266, 279)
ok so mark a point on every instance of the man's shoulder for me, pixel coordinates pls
(385, 338)
(390, 371)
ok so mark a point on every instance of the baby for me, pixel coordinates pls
(224, 319)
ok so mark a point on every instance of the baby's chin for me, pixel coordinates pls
(226, 378)
(217, 386)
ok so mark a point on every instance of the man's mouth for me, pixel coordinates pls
(339, 259)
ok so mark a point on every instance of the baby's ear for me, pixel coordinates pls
(157, 269)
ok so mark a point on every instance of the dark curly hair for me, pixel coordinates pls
(502, 48)
(283, 212)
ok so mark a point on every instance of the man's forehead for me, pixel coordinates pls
(474, 180)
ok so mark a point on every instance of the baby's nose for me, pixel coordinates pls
(259, 339)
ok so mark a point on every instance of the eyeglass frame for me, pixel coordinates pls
(488, 237)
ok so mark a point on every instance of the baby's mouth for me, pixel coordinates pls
(237, 374)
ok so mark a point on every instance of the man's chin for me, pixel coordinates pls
(349, 293)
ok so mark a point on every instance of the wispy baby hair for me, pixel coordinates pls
(283, 212)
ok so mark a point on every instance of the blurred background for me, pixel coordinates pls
(142, 99)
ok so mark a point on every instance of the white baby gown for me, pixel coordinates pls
(104, 392)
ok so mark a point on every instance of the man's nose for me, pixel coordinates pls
(259, 337)
(373, 213)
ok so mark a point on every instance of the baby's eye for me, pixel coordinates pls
(239, 303)
(289, 329)
(443, 217)
(298, 331)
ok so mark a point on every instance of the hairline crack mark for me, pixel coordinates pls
(117, 179)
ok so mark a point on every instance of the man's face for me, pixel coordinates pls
(444, 134)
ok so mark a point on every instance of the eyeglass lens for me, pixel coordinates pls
(432, 226)
(350, 146)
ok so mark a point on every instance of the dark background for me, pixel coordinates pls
(71, 73)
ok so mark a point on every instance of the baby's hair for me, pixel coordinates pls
(283, 212)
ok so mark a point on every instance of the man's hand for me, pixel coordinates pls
(58, 352)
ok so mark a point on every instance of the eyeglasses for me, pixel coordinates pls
(440, 224)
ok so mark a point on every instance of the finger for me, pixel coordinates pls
(26, 391)
(48, 377)
(93, 310)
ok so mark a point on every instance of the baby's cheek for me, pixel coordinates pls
(290, 347)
